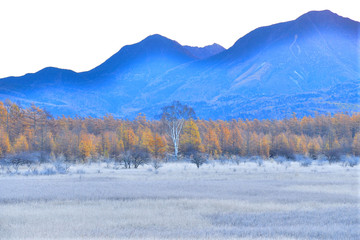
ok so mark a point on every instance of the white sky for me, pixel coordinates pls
(81, 34)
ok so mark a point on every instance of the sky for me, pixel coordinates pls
(81, 34)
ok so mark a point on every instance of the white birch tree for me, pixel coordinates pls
(174, 117)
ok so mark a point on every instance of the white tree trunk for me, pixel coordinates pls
(175, 128)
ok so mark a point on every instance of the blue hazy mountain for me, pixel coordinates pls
(268, 72)
(103, 89)
(304, 66)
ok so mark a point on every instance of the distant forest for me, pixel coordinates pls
(29, 132)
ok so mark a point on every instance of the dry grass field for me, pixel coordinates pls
(218, 201)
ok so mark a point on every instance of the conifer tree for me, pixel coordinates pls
(211, 142)
(356, 145)
(190, 140)
(5, 145)
(157, 146)
(21, 144)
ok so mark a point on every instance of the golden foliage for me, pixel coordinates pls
(32, 129)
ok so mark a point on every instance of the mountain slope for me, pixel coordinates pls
(305, 66)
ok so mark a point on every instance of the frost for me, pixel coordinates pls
(223, 199)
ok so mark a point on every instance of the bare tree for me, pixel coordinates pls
(198, 159)
(136, 156)
(140, 156)
(174, 117)
(127, 159)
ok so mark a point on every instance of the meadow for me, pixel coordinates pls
(220, 200)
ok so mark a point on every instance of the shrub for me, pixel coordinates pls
(351, 161)
(198, 159)
(305, 162)
(333, 155)
(136, 156)
(61, 167)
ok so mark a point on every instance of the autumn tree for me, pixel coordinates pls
(86, 147)
(190, 141)
(49, 145)
(67, 145)
(236, 142)
(265, 147)
(14, 120)
(224, 136)
(146, 137)
(33, 116)
(281, 147)
(300, 144)
(313, 148)
(254, 144)
(5, 146)
(356, 145)
(3, 115)
(157, 146)
(129, 138)
(332, 146)
(21, 144)
(116, 146)
(211, 142)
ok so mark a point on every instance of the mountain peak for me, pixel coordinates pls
(51, 70)
(155, 43)
(216, 45)
(310, 22)
(321, 13)
(152, 47)
(326, 17)
(155, 38)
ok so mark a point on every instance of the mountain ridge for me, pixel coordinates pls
(206, 51)
(310, 54)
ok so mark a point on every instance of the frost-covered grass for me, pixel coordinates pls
(221, 200)
(243, 164)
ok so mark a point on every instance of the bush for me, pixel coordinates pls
(156, 163)
(61, 167)
(23, 158)
(333, 155)
(305, 162)
(259, 162)
(136, 156)
(351, 161)
(47, 171)
(282, 152)
(198, 159)
(280, 160)
(237, 159)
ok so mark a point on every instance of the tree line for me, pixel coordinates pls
(26, 132)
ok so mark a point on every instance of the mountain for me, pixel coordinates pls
(103, 89)
(257, 76)
(205, 52)
(307, 65)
